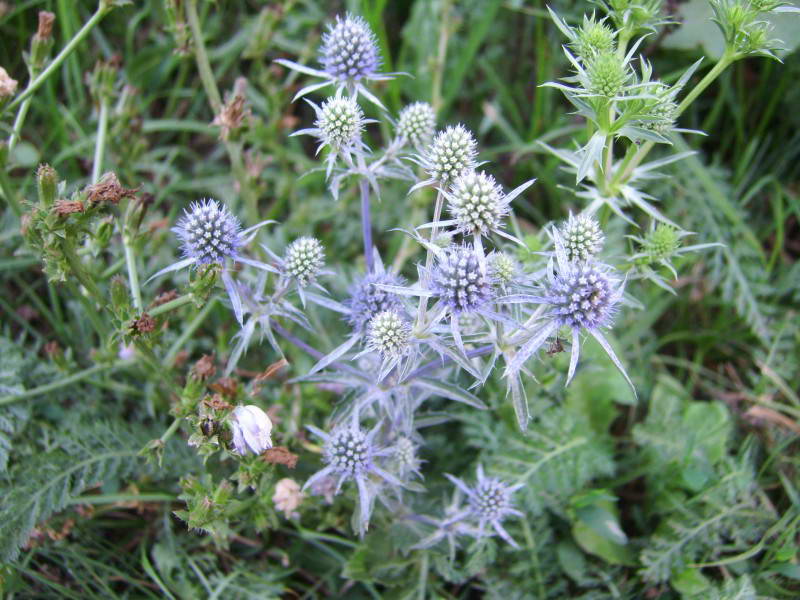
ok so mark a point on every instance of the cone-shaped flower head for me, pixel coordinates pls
(349, 50)
(593, 37)
(304, 259)
(208, 232)
(502, 267)
(662, 242)
(405, 460)
(459, 280)
(251, 429)
(582, 238)
(452, 153)
(490, 502)
(388, 334)
(340, 121)
(417, 123)
(367, 299)
(584, 296)
(608, 74)
(348, 452)
(476, 202)
(662, 111)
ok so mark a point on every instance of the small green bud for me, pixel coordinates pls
(119, 293)
(662, 242)
(47, 184)
(607, 74)
(104, 232)
(593, 38)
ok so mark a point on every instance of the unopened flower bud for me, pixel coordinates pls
(593, 38)
(662, 242)
(417, 123)
(607, 74)
(502, 267)
(340, 121)
(388, 334)
(304, 258)
(251, 429)
(452, 153)
(47, 184)
(476, 202)
(582, 238)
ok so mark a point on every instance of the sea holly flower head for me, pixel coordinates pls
(405, 459)
(459, 279)
(251, 429)
(388, 334)
(478, 204)
(304, 259)
(452, 152)
(417, 123)
(594, 37)
(351, 453)
(209, 232)
(211, 235)
(580, 295)
(583, 239)
(608, 74)
(489, 503)
(502, 268)
(341, 121)
(349, 56)
(349, 50)
(368, 298)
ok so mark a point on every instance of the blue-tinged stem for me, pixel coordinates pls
(366, 226)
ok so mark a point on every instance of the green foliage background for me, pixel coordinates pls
(690, 493)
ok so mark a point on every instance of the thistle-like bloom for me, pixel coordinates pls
(211, 235)
(608, 74)
(209, 232)
(503, 268)
(388, 334)
(405, 460)
(580, 295)
(340, 122)
(478, 204)
(349, 56)
(452, 153)
(460, 281)
(417, 124)
(350, 453)
(583, 238)
(304, 259)
(251, 429)
(489, 503)
(368, 298)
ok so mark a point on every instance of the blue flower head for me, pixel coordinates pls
(350, 453)
(349, 50)
(209, 232)
(367, 298)
(489, 503)
(459, 279)
(584, 295)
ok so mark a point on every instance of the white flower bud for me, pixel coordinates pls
(251, 429)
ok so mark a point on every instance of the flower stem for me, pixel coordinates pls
(366, 226)
(437, 214)
(171, 305)
(133, 273)
(35, 83)
(100, 145)
(18, 122)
